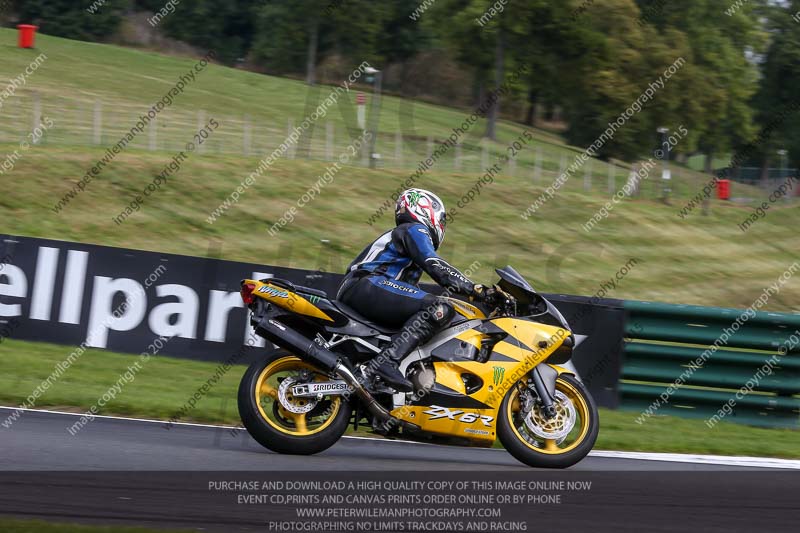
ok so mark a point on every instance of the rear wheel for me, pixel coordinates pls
(556, 442)
(285, 423)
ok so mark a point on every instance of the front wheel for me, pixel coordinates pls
(285, 423)
(556, 442)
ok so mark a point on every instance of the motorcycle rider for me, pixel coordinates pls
(382, 281)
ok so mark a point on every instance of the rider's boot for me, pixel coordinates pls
(417, 330)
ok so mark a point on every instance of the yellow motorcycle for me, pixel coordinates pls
(491, 374)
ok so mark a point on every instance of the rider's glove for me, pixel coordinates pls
(482, 293)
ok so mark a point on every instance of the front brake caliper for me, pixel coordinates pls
(526, 399)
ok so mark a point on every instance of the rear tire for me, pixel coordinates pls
(287, 433)
(511, 431)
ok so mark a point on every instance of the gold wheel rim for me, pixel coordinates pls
(550, 446)
(265, 390)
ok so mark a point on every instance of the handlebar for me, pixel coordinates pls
(501, 300)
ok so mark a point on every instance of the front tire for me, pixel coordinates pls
(281, 422)
(525, 436)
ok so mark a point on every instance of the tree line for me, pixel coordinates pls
(587, 60)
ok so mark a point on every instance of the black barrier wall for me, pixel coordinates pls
(121, 300)
(598, 358)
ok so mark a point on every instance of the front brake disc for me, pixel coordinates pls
(556, 428)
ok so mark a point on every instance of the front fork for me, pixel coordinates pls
(544, 382)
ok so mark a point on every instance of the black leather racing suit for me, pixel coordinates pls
(382, 282)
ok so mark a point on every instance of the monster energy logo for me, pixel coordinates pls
(313, 299)
(413, 198)
(498, 374)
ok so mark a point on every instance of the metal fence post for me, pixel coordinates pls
(247, 136)
(329, 140)
(398, 148)
(587, 175)
(97, 123)
(289, 129)
(37, 116)
(632, 183)
(201, 122)
(151, 135)
(612, 177)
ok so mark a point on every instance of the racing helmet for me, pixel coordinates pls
(419, 205)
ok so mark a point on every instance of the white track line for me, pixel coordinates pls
(725, 460)
(119, 418)
(729, 460)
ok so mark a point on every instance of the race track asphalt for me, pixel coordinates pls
(124, 471)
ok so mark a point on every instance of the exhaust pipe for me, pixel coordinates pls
(291, 339)
(372, 405)
(296, 342)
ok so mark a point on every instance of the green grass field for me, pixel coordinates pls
(700, 260)
(76, 76)
(164, 384)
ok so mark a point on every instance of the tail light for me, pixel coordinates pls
(247, 293)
